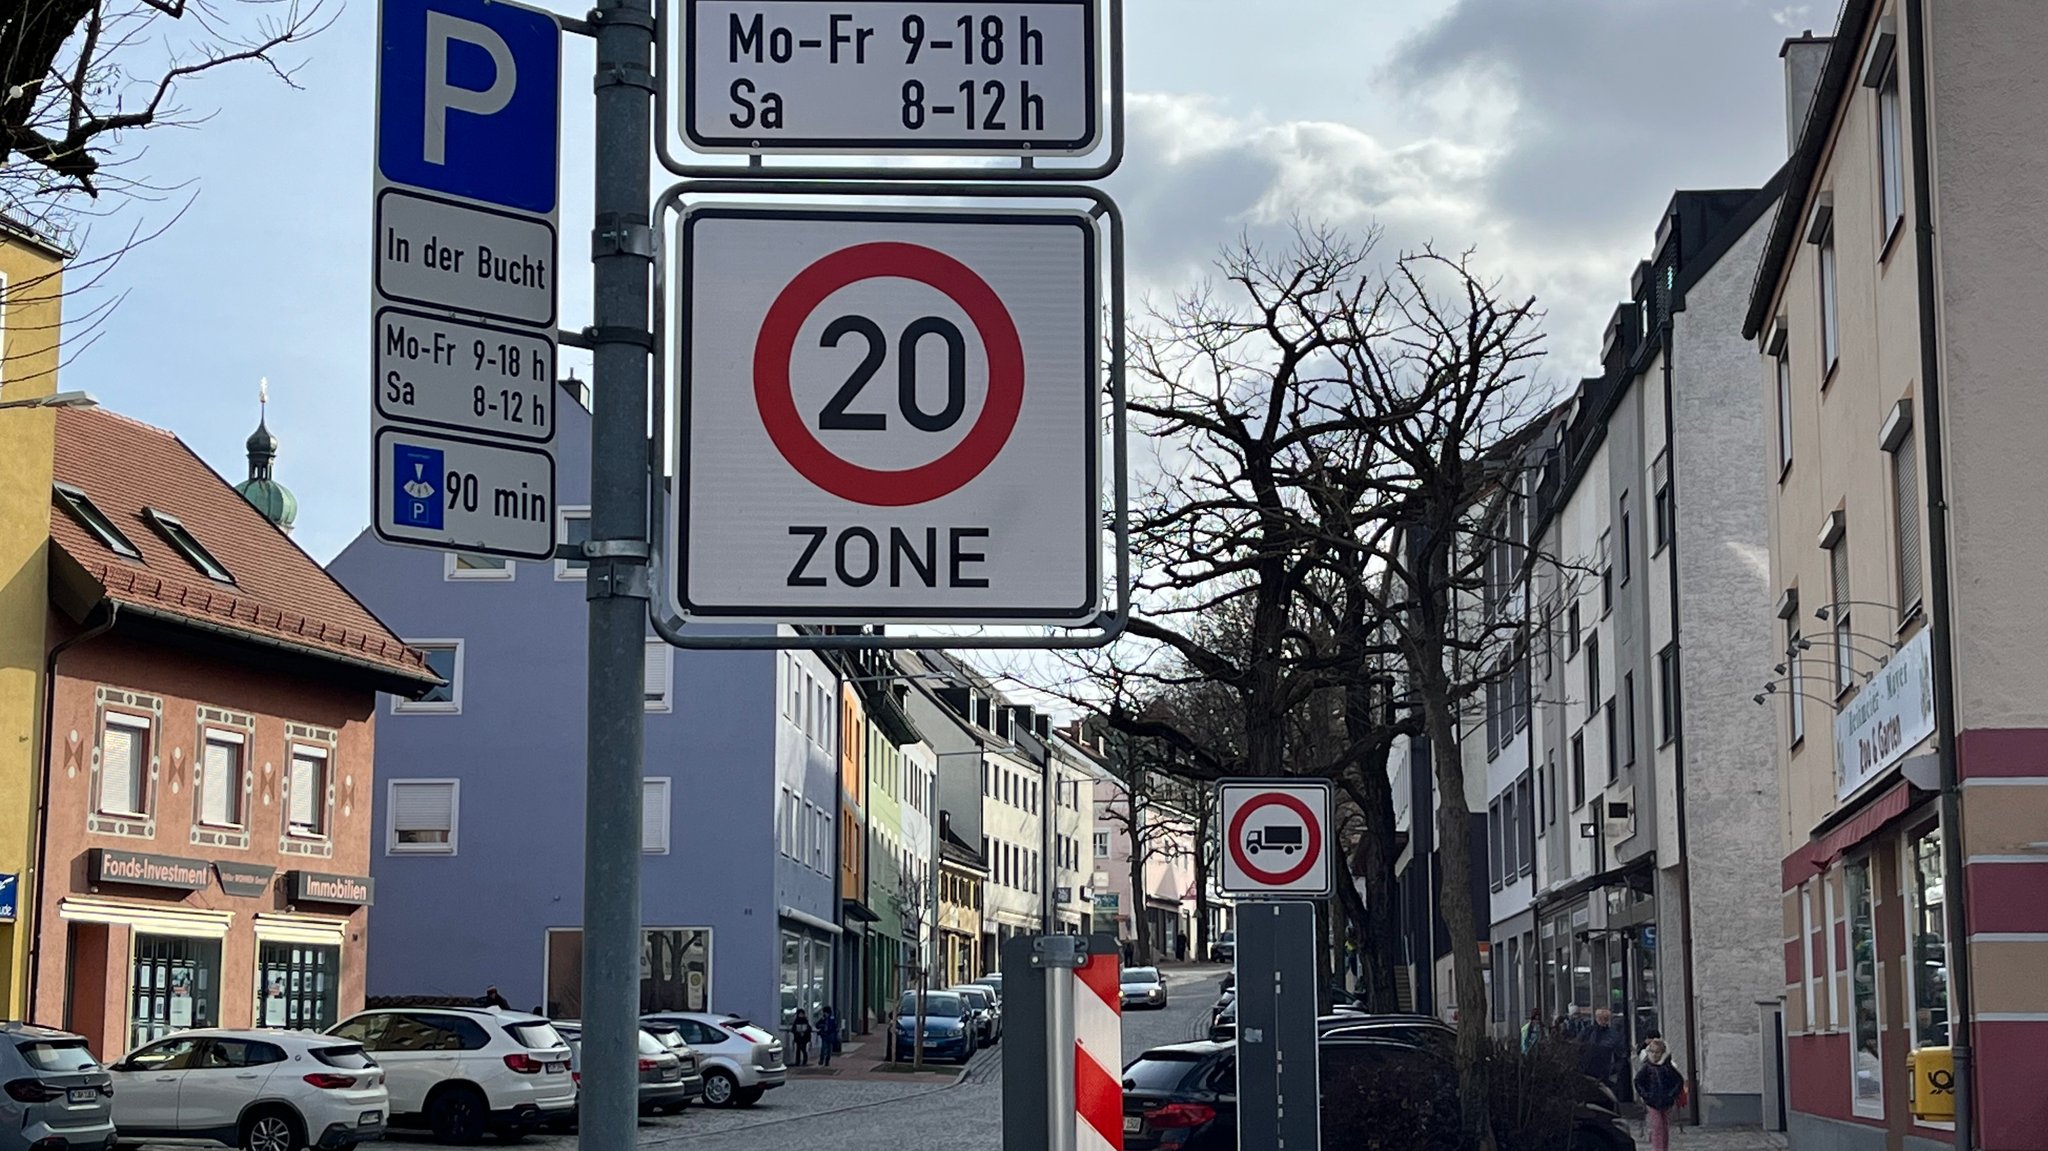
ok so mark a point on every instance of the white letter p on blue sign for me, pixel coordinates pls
(441, 97)
(469, 101)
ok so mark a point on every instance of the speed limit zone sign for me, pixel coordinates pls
(888, 415)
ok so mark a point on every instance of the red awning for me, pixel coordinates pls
(1864, 824)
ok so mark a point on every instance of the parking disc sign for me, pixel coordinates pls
(888, 415)
(1276, 836)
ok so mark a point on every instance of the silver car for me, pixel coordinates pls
(1143, 987)
(669, 1079)
(741, 1062)
(53, 1093)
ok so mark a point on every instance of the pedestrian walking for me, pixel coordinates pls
(1532, 1030)
(828, 1035)
(1661, 1088)
(1605, 1055)
(492, 998)
(800, 1037)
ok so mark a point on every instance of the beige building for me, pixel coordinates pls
(1898, 308)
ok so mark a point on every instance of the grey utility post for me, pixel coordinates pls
(622, 251)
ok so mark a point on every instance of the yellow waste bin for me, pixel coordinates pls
(1932, 1072)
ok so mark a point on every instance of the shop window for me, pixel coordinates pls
(298, 985)
(1866, 1058)
(176, 986)
(675, 970)
(1926, 940)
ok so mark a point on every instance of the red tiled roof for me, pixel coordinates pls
(279, 593)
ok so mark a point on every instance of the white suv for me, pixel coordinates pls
(467, 1070)
(259, 1090)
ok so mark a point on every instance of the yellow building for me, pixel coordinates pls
(31, 294)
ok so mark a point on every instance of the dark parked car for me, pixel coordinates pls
(948, 1027)
(1183, 1097)
(53, 1093)
(1224, 950)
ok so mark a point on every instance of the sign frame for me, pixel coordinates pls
(676, 582)
(1314, 875)
(742, 143)
(490, 172)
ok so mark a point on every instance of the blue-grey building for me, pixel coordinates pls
(478, 849)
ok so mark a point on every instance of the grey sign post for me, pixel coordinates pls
(1279, 1091)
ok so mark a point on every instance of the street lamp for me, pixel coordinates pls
(55, 400)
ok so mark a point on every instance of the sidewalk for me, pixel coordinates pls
(1715, 1138)
(860, 1061)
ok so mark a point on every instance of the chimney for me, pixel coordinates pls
(1803, 55)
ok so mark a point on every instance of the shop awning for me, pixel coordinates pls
(1864, 824)
(808, 920)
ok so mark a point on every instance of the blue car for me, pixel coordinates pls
(948, 1027)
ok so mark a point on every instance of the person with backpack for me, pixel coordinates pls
(800, 1037)
(1660, 1087)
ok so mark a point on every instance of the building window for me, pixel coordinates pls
(1102, 845)
(1606, 573)
(1578, 770)
(1795, 683)
(1830, 308)
(1663, 516)
(1926, 940)
(299, 986)
(444, 658)
(659, 675)
(1572, 629)
(220, 780)
(572, 527)
(1525, 827)
(186, 544)
(1593, 670)
(470, 565)
(1864, 1018)
(1613, 746)
(1838, 612)
(1627, 539)
(1906, 521)
(1784, 369)
(306, 804)
(654, 816)
(424, 814)
(1812, 956)
(176, 988)
(80, 507)
(1494, 854)
(1667, 695)
(1891, 185)
(124, 764)
(1628, 718)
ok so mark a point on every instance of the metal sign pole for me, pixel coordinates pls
(622, 256)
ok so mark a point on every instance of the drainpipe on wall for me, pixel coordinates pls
(1940, 616)
(44, 742)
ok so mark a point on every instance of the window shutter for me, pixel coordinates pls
(423, 812)
(654, 816)
(219, 781)
(659, 666)
(1906, 502)
(307, 788)
(118, 770)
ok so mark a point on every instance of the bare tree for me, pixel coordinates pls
(77, 76)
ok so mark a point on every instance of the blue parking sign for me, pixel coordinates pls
(10, 884)
(469, 100)
(416, 494)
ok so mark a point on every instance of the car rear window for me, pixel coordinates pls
(1161, 1071)
(751, 1032)
(535, 1036)
(58, 1055)
(348, 1058)
(649, 1045)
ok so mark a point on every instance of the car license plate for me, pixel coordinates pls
(1132, 1123)
(370, 1119)
(672, 1073)
(556, 1068)
(82, 1094)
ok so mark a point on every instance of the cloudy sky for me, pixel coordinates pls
(1547, 134)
